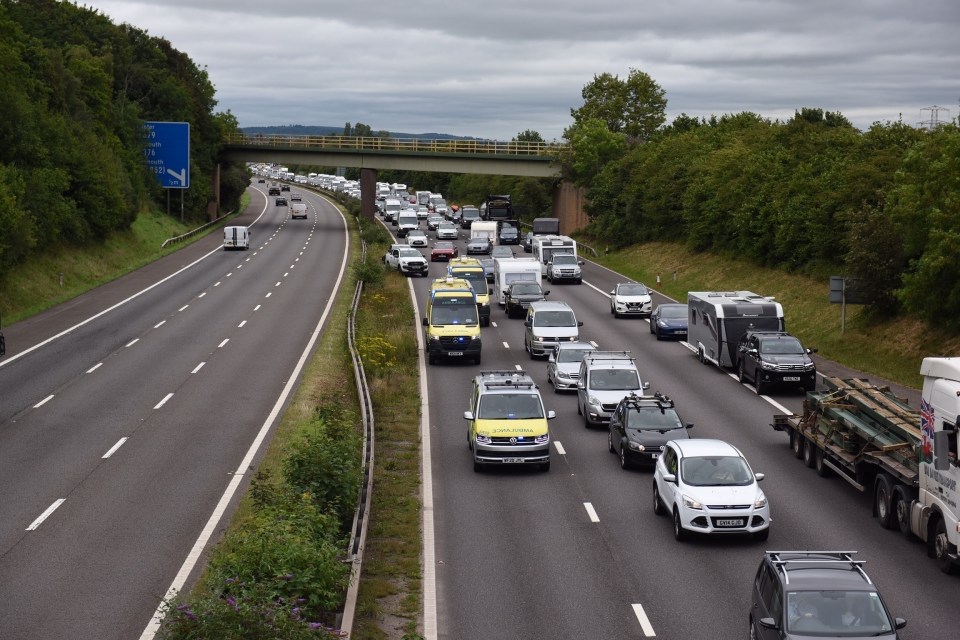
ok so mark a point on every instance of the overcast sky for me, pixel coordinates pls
(494, 68)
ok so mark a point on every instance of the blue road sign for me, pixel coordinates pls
(167, 152)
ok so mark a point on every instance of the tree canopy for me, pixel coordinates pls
(635, 107)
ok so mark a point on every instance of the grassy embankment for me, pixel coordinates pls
(891, 349)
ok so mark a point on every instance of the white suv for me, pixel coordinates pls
(606, 378)
(708, 487)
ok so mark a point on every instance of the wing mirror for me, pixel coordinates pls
(759, 476)
(580, 323)
(551, 415)
(670, 477)
(768, 623)
(468, 415)
(425, 322)
(689, 425)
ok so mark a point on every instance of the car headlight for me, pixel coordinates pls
(482, 439)
(545, 438)
(636, 446)
(809, 366)
(760, 502)
(767, 365)
(690, 503)
(593, 400)
(661, 323)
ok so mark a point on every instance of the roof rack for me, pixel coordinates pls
(844, 557)
(663, 401)
(609, 355)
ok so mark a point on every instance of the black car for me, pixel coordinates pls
(827, 594)
(508, 235)
(280, 202)
(641, 426)
(284, 187)
(669, 321)
(520, 294)
(528, 242)
(769, 358)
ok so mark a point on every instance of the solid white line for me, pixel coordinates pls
(164, 401)
(220, 346)
(132, 342)
(776, 404)
(114, 448)
(559, 447)
(214, 522)
(43, 402)
(198, 367)
(240, 326)
(46, 514)
(644, 621)
(94, 367)
(159, 324)
(506, 345)
(591, 512)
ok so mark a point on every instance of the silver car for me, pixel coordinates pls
(447, 231)
(563, 368)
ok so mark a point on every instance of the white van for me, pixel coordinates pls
(298, 210)
(236, 238)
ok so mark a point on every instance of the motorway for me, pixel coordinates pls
(121, 437)
(577, 552)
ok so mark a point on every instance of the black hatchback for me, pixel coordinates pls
(641, 426)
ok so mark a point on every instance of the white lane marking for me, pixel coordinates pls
(255, 252)
(217, 284)
(598, 290)
(591, 512)
(595, 345)
(114, 448)
(644, 621)
(220, 346)
(493, 324)
(506, 345)
(559, 447)
(688, 346)
(43, 402)
(257, 308)
(230, 274)
(519, 367)
(202, 294)
(214, 521)
(776, 404)
(198, 367)
(159, 324)
(183, 307)
(268, 294)
(132, 342)
(46, 514)
(292, 266)
(94, 367)
(164, 401)
(278, 284)
(240, 326)
(286, 274)
(239, 266)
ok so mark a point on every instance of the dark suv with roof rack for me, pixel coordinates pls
(824, 594)
(641, 426)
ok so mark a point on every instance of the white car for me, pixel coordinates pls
(630, 299)
(417, 238)
(706, 486)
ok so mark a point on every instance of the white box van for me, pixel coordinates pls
(236, 238)
(298, 210)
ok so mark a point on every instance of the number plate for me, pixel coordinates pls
(512, 460)
(454, 353)
(791, 378)
(730, 523)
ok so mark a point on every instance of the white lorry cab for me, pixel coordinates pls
(544, 247)
(506, 271)
(236, 238)
(718, 319)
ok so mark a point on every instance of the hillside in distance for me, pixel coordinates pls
(317, 130)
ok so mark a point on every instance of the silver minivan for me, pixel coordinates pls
(549, 323)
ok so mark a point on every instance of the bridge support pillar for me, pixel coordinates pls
(568, 207)
(368, 193)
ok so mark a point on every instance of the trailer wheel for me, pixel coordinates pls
(809, 456)
(941, 548)
(901, 510)
(883, 502)
(819, 464)
(796, 445)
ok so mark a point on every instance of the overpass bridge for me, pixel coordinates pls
(492, 157)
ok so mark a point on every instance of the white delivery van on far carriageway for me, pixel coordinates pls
(236, 238)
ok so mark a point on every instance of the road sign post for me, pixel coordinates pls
(167, 153)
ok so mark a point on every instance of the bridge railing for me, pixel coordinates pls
(411, 145)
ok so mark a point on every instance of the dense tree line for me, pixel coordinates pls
(75, 90)
(813, 194)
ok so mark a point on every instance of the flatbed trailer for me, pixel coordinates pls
(882, 446)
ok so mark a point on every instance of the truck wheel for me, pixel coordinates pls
(809, 453)
(941, 548)
(901, 510)
(819, 460)
(883, 502)
(796, 444)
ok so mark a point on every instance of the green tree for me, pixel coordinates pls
(592, 146)
(528, 136)
(635, 107)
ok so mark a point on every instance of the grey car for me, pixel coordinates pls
(479, 245)
(563, 367)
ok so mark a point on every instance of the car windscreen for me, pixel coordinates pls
(410, 253)
(836, 614)
(526, 288)
(673, 311)
(564, 258)
(715, 471)
(446, 312)
(510, 406)
(477, 280)
(653, 418)
(572, 355)
(781, 346)
(632, 290)
(614, 380)
(555, 319)
(443, 246)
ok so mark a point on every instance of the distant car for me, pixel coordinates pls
(261, 181)
(433, 221)
(284, 187)
(641, 426)
(444, 251)
(825, 594)
(528, 242)
(479, 245)
(707, 487)
(669, 321)
(295, 197)
(280, 202)
(417, 238)
(769, 358)
(274, 190)
(630, 299)
(563, 367)
(422, 212)
(508, 235)
(501, 252)
(447, 231)
(487, 268)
